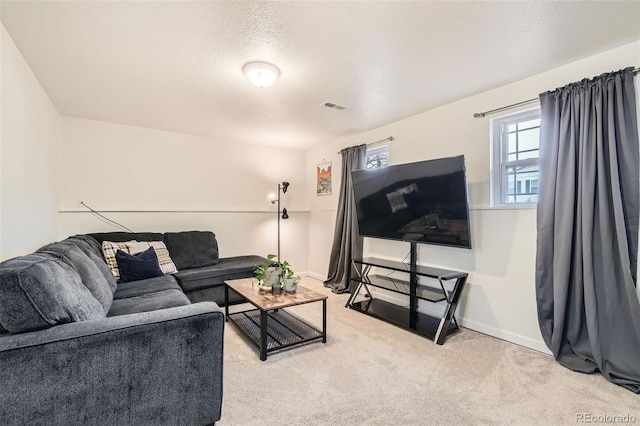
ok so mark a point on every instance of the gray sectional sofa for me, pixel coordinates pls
(77, 348)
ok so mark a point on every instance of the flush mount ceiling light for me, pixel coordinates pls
(261, 74)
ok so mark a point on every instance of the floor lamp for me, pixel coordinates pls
(281, 187)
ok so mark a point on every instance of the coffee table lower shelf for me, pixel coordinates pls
(284, 330)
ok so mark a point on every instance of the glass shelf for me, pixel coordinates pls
(404, 287)
(425, 271)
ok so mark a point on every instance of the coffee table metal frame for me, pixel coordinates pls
(269, 326)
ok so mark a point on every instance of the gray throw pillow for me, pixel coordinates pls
(192, 249)
(37, 291)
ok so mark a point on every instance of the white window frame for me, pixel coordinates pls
(377, 150)
(499, 163)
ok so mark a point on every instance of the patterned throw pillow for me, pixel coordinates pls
(166, 264)
(109, 250)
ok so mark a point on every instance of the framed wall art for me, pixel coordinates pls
(323, 178)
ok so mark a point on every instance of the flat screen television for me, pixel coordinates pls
(423, 202)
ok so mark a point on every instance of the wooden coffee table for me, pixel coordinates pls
(270, 326)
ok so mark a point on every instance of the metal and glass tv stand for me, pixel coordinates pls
(436, 329)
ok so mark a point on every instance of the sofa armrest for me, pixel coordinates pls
(149, 368)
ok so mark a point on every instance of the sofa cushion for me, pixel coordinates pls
(148, 302)
(120, 237)
(38, 291)
(227, 268)
(90, 274)
(140, 266)
(165, 261)
(192, 249)
(148, 286)
(87, 241)
(94, 251)
(214, 294)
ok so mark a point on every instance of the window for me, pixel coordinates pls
(515, 143)
(377, 157)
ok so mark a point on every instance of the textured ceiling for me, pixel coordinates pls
(178, 65)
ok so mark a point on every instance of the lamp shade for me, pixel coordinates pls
(261, 74)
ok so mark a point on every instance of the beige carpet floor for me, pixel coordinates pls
(372, 373)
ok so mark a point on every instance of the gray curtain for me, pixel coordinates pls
(347, 242)
(587, 222)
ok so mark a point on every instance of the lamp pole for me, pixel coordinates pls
(283, 188)
(278, 214)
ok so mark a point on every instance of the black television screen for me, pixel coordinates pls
(424, 202)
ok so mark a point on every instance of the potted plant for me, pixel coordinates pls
(268, 273)
(289, 281)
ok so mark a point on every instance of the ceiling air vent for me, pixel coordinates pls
(334, 106)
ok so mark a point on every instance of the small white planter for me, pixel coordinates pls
(290, 284)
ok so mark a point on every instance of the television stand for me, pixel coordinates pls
(436, 329)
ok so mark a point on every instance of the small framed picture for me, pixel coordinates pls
(323, 179)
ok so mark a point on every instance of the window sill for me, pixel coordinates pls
(519, 206)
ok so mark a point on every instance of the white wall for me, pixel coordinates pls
(500, 296)
(29, 141)
(151, 180)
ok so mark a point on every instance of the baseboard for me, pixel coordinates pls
(313, 275)
(518, 339)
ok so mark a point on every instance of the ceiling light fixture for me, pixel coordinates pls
(261, 74)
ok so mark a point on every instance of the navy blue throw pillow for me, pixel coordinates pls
(134, 267)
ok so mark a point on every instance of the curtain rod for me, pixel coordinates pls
(482, 114)
(390, 138)
(528, 101)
